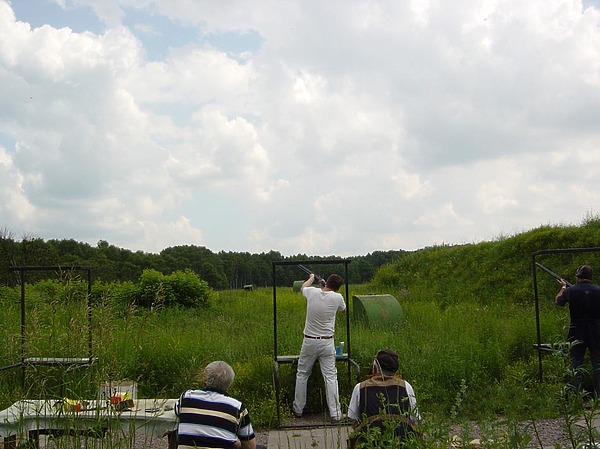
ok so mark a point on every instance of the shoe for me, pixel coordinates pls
(296, 414)
(339, 419)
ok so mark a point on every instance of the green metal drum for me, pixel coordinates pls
(297, 285)
(377, 310)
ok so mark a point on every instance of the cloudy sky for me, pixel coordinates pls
(335, 127)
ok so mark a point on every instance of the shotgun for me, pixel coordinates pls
(317, 277)
(553, 274)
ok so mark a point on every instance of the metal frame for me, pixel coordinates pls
(72, 363)
(539, 346)
(277, 359)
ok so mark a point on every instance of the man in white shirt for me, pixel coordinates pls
(318, 343)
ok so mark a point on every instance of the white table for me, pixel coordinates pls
(31, 418)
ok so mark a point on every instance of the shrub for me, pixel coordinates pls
(8, 295)
(181, 288)
(122, 295)
(188, 289)
(387, 276)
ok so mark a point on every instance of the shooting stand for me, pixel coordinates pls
(70, 363)
(539, 346)
(293, 359)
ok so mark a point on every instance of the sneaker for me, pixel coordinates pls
(339, 419)
(296, 414)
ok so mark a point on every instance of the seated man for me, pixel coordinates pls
(210, 418)
(384, 401)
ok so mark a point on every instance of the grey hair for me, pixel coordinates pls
(218, 376)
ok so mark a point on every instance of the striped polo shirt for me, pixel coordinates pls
(211, 419)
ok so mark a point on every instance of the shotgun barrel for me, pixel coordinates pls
(553, 274)
(317, 277)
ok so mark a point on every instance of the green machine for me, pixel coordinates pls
(377, 310)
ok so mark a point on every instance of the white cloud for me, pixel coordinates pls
(155, 236)
(351, 127)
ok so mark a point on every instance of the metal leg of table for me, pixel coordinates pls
(34, 437)
(10, 442)
(172, 438)
(356, 369)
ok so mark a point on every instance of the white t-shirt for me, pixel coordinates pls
(321, 307)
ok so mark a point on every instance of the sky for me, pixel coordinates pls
(335, 127)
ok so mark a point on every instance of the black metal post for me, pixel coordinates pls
(22, 280)
(89, 310)
(537, 316)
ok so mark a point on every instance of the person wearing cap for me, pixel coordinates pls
(385, 396)
(584, 330)
(322, 305)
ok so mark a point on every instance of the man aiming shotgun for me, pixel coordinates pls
(584, 331)
(322, 305)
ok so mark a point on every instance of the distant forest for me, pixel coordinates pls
(222, 270)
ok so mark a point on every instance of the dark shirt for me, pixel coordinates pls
(584, 308)
(384, 399)
(387, 397)
(583, 299)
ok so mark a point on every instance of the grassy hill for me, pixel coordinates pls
(487, 272)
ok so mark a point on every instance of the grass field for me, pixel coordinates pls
(465, 359)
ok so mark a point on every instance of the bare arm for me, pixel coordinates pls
(559, 296)
(308, 282)
(249, 444)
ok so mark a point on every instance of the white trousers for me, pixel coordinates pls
(323, 351)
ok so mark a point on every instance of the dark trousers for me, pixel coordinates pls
(577, 354)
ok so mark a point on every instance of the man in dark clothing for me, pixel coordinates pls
(384, 401)
(584, 330)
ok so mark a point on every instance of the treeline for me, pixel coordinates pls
(220, 270)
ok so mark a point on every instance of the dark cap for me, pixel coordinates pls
(388, 360)
(584, 272)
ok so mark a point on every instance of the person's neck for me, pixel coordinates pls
(216, 390)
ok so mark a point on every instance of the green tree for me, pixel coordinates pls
(209, 273)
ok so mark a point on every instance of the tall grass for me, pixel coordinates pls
(485, 351)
